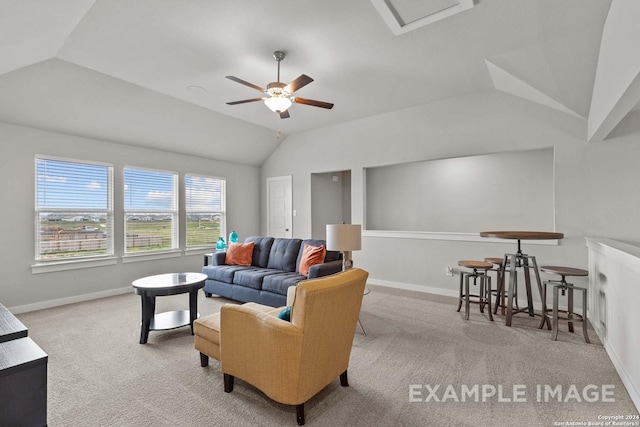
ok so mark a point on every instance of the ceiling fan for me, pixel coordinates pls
(278, 96)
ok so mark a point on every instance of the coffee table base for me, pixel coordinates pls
(171, 320)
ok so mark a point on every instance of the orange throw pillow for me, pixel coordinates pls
(239, 254)
(311, 255)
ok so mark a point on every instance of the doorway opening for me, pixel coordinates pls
(330, 201)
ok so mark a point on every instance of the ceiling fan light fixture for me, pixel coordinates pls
(278, 97)
(278, 103)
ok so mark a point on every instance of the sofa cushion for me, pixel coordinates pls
(284, 254)
(240, 254)
(252, 277)
(311, 255)
(261, 250)
(222, 273)
(279, 283)
(330, 255)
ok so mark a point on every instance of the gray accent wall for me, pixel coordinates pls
(330, 201)
(456, 194)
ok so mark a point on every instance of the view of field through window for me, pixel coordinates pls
(151, 210)
(204, 206)
(73, 208)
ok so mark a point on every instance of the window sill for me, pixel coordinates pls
(151, 256)
(52, 266)
(199, 251)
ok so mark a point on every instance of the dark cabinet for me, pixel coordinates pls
(23, 375)
(10, 327)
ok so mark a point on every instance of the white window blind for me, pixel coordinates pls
(151, 210)
(205, 202)
(73, 208)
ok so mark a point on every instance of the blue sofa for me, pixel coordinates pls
(274, 268)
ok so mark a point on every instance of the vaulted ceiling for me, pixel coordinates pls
(151, 72)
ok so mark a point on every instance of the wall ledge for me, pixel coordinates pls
(461, 237)
(625, 253)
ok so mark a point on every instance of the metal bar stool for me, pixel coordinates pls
(526, 263)
(483, 297)
(501, 299)
(563, 286)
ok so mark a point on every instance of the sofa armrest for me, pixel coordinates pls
(325, 269)
(218, 258)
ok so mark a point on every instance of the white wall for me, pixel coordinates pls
(18, 147)
(586, 194)
(614, 272)
(617, 82)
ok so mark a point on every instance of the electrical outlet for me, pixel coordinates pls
(449, 271)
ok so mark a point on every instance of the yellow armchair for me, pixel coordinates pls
(292, 361)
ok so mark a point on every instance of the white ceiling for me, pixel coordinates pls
(120, 69)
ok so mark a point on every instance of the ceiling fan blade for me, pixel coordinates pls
(313, 103)
(244, 101)
(251, 85)
(284, 114)
(298, 83)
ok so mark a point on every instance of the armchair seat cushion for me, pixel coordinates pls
(207, 330)
(208, 327)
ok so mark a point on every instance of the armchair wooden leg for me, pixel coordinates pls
(300, 414)
(204, 360)
(344, 382)
(228, 383)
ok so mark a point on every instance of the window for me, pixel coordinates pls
(205, 209)
(74, 216)
(150, 210)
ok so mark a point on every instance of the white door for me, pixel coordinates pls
(279, 203)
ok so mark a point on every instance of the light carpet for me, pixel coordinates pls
(100, 376)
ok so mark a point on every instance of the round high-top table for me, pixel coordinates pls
(163, 285)
(521, 260)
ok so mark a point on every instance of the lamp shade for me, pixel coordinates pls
(278, 103)
(344, 237)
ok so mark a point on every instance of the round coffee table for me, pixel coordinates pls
(163, 285)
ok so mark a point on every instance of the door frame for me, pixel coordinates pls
(289, 180)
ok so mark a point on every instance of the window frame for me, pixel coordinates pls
(108, 212)
(174, 212)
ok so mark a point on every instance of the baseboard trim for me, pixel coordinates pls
(414, 287)
(627, 380)
(69, 300)
(448, 292)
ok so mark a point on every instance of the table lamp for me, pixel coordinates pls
(344, 238)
